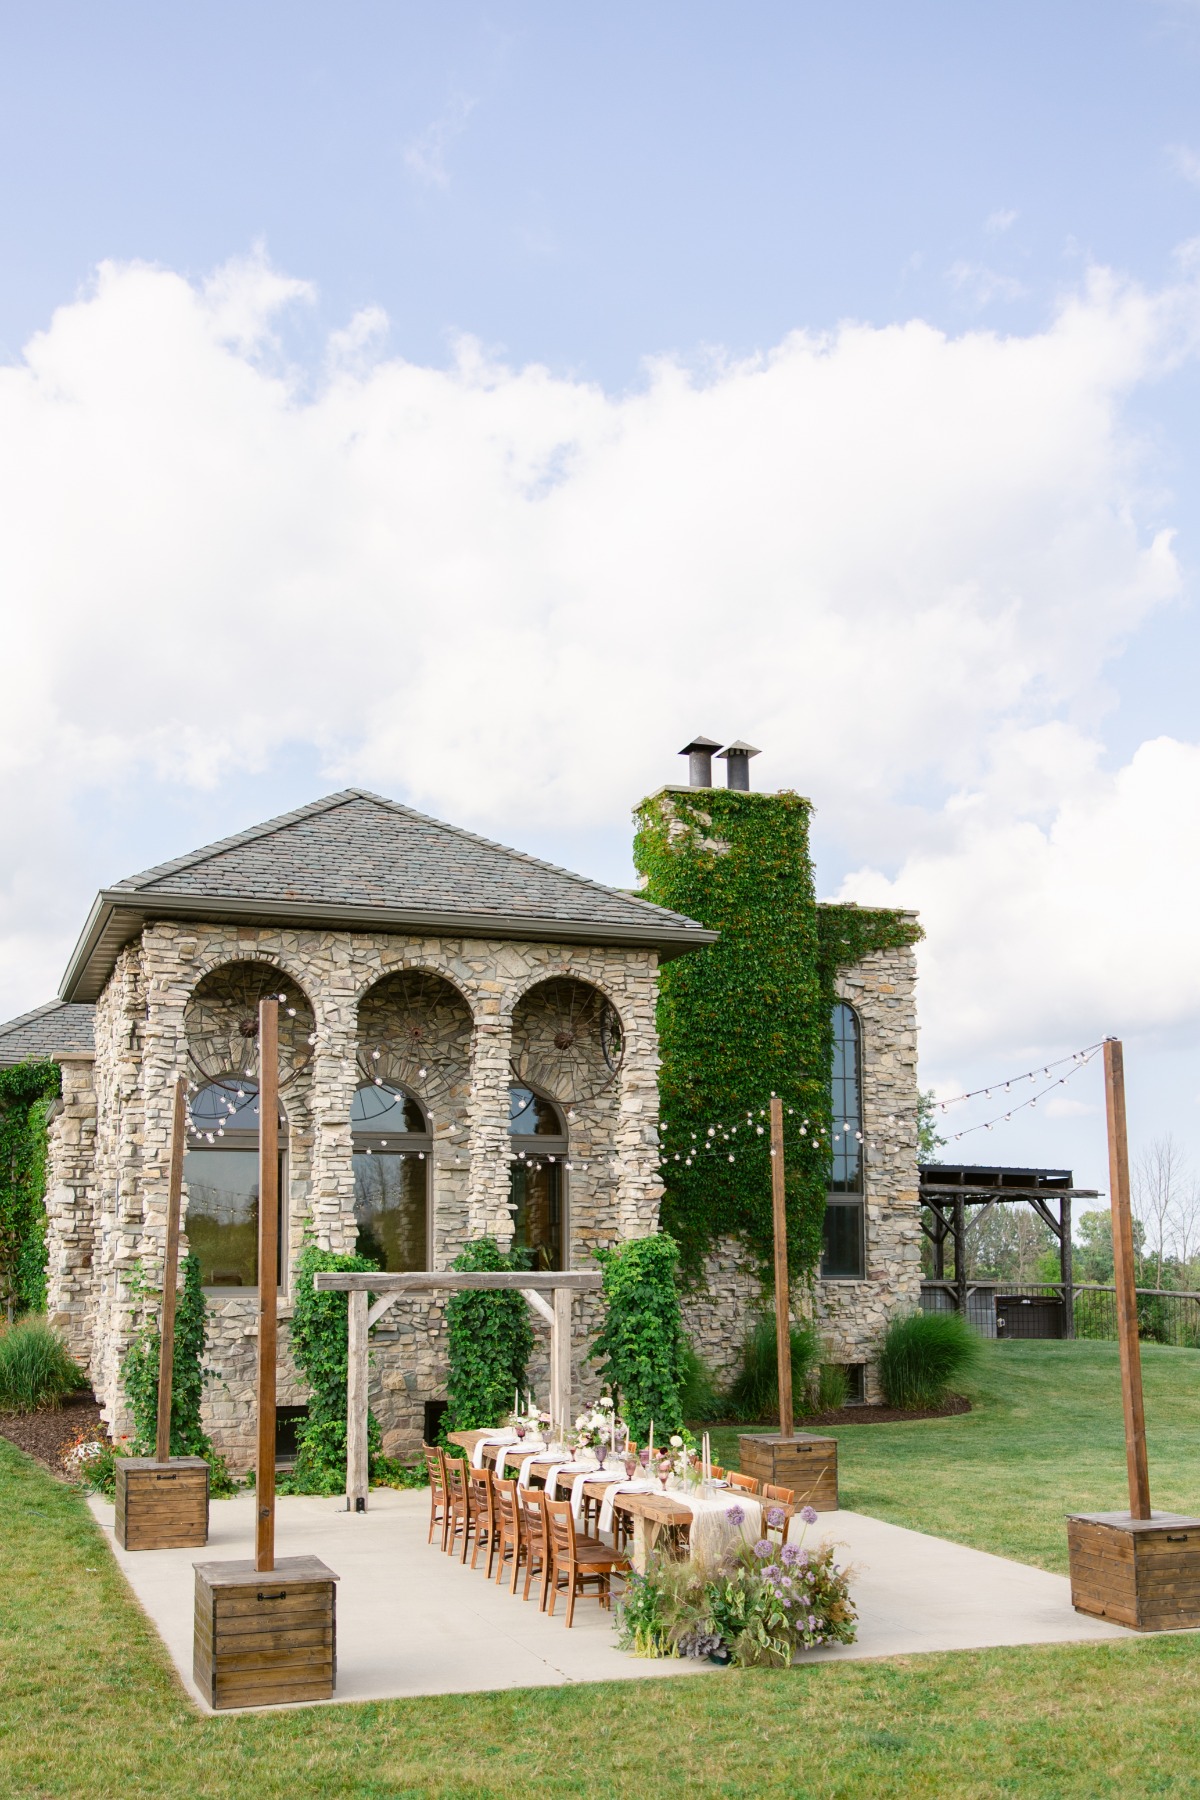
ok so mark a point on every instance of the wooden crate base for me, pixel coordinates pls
(263, 1639)
(1144, 1573)
(805, 1463)
(161, 1505)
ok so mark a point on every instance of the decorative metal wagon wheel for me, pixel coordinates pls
(567, 1041)
(221, 1023)
(415, 1033)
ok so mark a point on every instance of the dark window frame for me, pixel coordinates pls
(846, 1098)
(387, 1141)
(238, 1138)
(554, 1147)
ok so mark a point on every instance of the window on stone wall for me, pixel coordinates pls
(537, 1191)
(220, 1168)
(844, 1249)
(393, 1155)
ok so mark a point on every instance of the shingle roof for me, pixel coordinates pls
(46, 1031)
(356, 848)
(355, 860)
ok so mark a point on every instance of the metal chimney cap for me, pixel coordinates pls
(739, 749)
(700, 743)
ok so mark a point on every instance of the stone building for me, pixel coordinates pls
(468, 1046)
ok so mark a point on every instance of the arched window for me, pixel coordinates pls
(538, 1142)
(392, 1153)
(220, 1167)
(844, 1248)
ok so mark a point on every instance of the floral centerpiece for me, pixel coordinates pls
(758, 1605)
(599, 1428)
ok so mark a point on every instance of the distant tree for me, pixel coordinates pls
(1094, 1247)
(929, 1139)
(1009, 1243)
(1167, 1204)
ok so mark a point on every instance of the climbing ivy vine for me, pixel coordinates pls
(491, 1341)
(641, 1345)
(747, 1017)
(27, 1093)
(320, 1339)
(139, 1375)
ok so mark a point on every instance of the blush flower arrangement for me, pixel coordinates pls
(757, 1607)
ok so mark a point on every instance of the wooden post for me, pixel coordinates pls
(560, 1357)
(1124, 1281)
(1066, 1265)
(268, 1256)
(960, 1254)
(358, 1375)
(783, 1323)
(166, 1336)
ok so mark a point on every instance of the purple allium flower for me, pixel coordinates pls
(812, 1623)
(785, 1581)
(808, 1514)
(786, 1601)
(791, 1554)
(736, 1515)
(776, 1517)
(764, 1548)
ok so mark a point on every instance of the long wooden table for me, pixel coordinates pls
(649, 1514)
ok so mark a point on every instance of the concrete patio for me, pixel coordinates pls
(412, 1621)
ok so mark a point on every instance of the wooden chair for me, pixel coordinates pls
(718, 1473)
(534, 1549)
(508, 1528)
(747, 1483)
(481, 1516)
(439, 1512)
(456, 1500)
(576, 1561)
(787, 1495)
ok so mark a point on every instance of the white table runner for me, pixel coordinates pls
(486, 1442)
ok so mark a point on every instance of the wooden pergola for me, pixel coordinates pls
(948, 1189)
(555, 1312)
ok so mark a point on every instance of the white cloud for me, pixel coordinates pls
(893, 558)
(1002, 220)
(981, 285)
(1185, 162)
(425, 155)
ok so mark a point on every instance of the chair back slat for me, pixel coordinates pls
(434, 1460)
(787, 1495)
(747, 1483)
(560, 1522)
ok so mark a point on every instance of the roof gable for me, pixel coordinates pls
(358, 849)
(46, 1032)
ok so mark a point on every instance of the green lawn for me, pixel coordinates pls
(90, 1707)
(1045, 1438)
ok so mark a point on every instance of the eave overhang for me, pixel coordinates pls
(119, 915)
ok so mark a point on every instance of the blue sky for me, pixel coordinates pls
(605, 193)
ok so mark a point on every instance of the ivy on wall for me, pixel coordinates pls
(491, 1341)
(320, 1339)
(641, 1345)
(27, 1093)
(748, 1016)
(139, 1376)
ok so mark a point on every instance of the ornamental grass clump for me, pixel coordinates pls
(35, 1369)
(758, 1606)
(754, 1394)
(922, 1355)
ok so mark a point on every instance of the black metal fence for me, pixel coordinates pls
(1037, 1310)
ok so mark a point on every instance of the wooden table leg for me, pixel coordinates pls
(645, 1536)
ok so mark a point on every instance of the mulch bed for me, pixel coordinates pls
(862, 1415)
(46, 1435)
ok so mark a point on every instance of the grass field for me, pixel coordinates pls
(1045, 1438)
(90, 1707)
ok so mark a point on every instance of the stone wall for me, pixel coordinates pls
(107, 1232)
(851, 1316)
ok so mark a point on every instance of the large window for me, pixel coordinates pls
(844, 1249)
(393, 1152)
(220, 1168)
(538, 1140)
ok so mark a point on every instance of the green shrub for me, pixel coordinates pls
(922, 1354)
(35, 1369)
(27, 1093)
(491, 1341)
(139, 1376)
(698, 1396)
(833, 1388)
(321, 1346)
(642, 1343)
(754, 1394)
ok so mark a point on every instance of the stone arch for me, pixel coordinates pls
(567, 1038)
(220, 1020)
(414, 1030)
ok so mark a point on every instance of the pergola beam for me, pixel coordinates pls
(556, 1312)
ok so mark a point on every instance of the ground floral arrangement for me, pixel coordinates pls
(756, 1606)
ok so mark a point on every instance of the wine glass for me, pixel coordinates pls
(601, 1453)
(664, 1473)
(520, 1431)
(631, 1464)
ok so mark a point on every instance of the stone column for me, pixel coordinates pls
(491, 1076)
(335, 1077)
(70, 1207)
(635, 1136)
